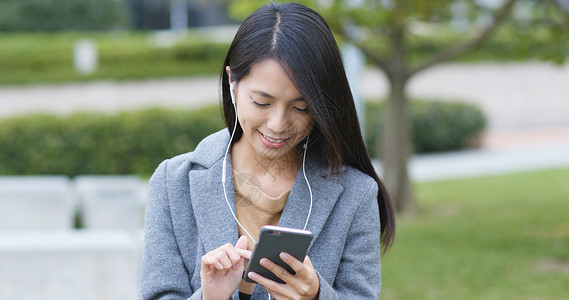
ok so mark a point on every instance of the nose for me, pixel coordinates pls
(278, 121)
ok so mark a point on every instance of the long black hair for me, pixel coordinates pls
(300, 40)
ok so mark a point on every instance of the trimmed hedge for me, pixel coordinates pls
(48, 57)
(436, 126)
(134, 142)
(131, 142)
(54, 15)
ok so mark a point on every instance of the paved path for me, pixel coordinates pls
(513, 96)
(525, 152)
(108, 96)
(502, 152)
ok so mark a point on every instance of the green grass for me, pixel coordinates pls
(499, 237)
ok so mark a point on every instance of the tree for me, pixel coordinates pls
(405, 37)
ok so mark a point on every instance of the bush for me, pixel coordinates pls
(131, 142)
(56, 15)
(134, 142)
(436, 126)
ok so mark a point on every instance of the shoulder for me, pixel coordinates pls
(358, 179)
(355, 182)
(210, 150)
(360, 189)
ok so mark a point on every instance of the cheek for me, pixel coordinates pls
(304, 123)
(247, 118)
(241, 113)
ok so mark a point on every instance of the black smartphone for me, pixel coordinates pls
(272, 241)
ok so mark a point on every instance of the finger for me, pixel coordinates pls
(305, 280)
(294, 263)
(279, 271)
(241, 247)
(271, 286)
(224, 260)
(211, 259)
(233, 255)
(305, 270)
(225, 256)
(244, 253)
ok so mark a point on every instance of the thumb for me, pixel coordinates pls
(308, 261)
(242, 242)
(241, 247)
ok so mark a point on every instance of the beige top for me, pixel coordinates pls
(254, 209)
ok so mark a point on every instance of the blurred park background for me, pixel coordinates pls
(465, 102)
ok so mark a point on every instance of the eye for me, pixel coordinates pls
(258, 104)
(302, 110)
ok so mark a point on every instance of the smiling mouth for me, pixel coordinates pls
(273, 140)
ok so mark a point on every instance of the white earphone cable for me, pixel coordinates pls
(306, 179)
(232, 91)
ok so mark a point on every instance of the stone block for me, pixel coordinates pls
(87, 265)
(36, 202)
(111, 202)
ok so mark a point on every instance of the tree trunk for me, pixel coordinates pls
(396, 146)
(396, 143)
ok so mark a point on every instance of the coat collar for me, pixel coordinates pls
(215, 220)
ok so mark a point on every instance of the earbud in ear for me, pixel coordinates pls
(232, 92)
(305, 146)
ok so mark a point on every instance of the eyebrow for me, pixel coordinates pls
(266, 95)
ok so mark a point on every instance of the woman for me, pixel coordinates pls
(297, 160)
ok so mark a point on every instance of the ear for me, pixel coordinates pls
(231, 85)
(228, 71)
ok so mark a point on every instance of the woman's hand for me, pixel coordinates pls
(222, 269)
(303, 285)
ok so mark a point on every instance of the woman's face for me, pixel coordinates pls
(272, 112)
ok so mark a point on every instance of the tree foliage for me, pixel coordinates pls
(447, 29)
(405, 37)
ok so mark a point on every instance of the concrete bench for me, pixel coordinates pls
(81, 264)
(36, 202)
(111, 202)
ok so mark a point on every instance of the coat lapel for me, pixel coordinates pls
(325, 193)
(216, 225)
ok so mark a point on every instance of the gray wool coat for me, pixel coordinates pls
(187, 216)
